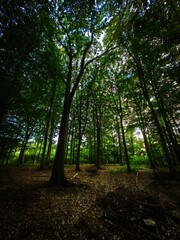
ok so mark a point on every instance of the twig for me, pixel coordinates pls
(74, 176)
(106, 220)
(147, 185)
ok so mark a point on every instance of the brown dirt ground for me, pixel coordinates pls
(100, 205)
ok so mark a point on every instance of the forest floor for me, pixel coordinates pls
(100, 205)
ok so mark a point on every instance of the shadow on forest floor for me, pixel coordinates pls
(140, 215)
(98, 205)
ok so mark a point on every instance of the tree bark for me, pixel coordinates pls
(58, 175)
(119, 145)
(23, 148)
(124, 139)
(72, 161)
(42, 166)
(50, 141)
(77, 169)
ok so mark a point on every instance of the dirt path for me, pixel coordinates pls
(101, 205)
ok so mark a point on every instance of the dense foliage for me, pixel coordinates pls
(100, 76)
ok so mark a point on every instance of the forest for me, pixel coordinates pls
(89, 119)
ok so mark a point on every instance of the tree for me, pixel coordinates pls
(75, 39)
(23, 29)
(146, 32)
(59, 73)
(83, 105)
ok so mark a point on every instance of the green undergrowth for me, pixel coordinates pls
(123, 169)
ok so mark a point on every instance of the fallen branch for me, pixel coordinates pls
(74, 176)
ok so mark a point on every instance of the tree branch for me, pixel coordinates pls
(69, 52)
(99, 56)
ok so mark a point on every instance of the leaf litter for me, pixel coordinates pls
(99, 205)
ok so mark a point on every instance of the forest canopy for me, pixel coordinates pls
(90, 82)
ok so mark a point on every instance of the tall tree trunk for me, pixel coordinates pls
(58, 175)
(72, 137)
(94, 152)
(124, 139)
(152, 164)
(142, 81)
(119, 144)
(91, 147)
(117, 120)
(50, 141)
(36, 150)
(42, 162)
(39, 153)
(77, 169)
(98, 134)
(132, 142)
(150, 146)
(24, 145)
(172, 138)
(72, 145)
(81, 129)
(98, 153)
(42, 166)
(143, 130)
